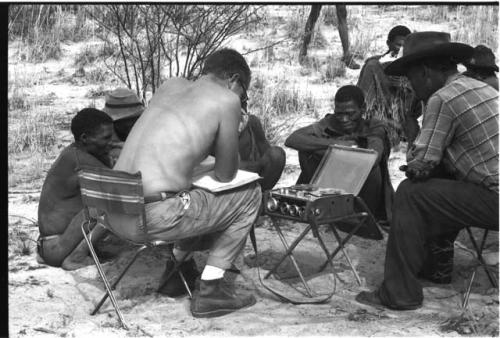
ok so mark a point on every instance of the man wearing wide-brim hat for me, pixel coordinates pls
(124, 107)
(482, 67)
(452, 170)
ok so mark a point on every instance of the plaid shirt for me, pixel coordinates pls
(460, 128)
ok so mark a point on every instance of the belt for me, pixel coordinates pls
(161, 196)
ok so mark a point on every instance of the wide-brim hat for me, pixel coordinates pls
(428, 44)
(123, 103)
(482, 59)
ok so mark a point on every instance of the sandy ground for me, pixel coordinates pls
(46, 301)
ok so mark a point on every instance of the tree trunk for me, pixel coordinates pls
(311, 22)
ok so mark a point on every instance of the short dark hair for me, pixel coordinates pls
(399, 30)
(226, 62)
(87, 121)
(350, 93)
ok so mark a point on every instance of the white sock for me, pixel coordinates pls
(212, 272)
(181, 254)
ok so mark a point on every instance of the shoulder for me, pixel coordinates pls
(463, 89)
(459, 86)
(375, 124)
(253, 120)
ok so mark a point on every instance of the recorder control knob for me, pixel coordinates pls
(284, 208)
(294, 210)
(272, 204)
(301, 211)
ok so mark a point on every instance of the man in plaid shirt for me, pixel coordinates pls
(452, 170)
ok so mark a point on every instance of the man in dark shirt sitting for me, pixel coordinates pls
(256, 154)
(347, 127)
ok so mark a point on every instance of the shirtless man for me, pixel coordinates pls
(60, 211)
(184, 123)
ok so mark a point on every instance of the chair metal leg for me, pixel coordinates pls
(289, 253)
(113, 286)
(479, 253)
(341, 245)
(103, 276)
(467, 292)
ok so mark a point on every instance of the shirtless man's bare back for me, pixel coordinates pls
(60, 209)
(184, 123)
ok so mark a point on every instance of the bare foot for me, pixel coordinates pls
(74, 263)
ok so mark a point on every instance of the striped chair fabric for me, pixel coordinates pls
(111, 190)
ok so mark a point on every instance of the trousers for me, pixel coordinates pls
(224, 219)
(428, 215)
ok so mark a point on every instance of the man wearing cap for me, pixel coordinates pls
(124, 107)
(452, 170)
(482, 66)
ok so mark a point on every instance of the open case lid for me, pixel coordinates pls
(344, 168)
(348, 168)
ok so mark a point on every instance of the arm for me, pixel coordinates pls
(260, 136)
(226, 141)
(305, 139)
(261, 143)
(378, 140)
(70, 163)
(435, 135)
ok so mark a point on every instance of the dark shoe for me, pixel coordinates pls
(372, 299)
(173, 286)
(216, 299)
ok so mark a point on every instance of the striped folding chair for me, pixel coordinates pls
(118, 192)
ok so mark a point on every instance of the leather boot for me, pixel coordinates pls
(174, 287)
(216, 299)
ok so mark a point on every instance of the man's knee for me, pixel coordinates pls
(277, 156)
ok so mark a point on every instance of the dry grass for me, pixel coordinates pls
(472, 24)
(31, 132)
(329, 15)
(277, 103)
(335, 68)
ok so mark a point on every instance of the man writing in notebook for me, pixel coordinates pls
(185, 122)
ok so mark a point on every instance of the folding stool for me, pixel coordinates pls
(479, 252)
(343, 170)
(119, 192)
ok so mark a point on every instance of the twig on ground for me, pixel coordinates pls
(265, 47)
(24, 217)
(23, 192)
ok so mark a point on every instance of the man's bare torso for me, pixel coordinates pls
(180, 127)
(60, 199)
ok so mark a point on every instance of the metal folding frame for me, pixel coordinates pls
(90, 222)
(479, 254)
(313, 226)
